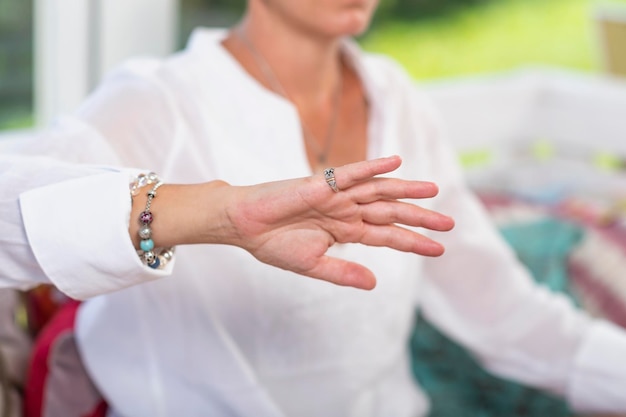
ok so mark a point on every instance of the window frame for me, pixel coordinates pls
(76, 42)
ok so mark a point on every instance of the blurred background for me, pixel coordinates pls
(532, 94)
(433, 39)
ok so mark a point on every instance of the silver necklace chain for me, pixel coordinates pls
(276, 86)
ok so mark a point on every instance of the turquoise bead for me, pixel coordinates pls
(147, 245)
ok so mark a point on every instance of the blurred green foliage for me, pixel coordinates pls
(230, 5)
(421, 9)
(490, 37)
(16, 63)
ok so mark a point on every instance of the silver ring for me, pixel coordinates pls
(329, 176)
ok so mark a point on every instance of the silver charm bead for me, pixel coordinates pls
(134, 191)
(149, 257)
(142, 180)
(145, 232)
(167, 255)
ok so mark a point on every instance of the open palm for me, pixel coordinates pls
(291, 224)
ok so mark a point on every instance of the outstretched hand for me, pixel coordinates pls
(291, 224)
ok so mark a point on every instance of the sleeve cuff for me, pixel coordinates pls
(599, 377)
(78, 231)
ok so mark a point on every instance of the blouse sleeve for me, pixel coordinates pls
(64, 198)
(480, 295)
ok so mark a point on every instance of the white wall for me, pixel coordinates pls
(578, 112)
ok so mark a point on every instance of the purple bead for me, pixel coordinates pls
(145, 217)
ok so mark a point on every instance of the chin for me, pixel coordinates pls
(326, 18)
(353, 23)
(356, 27)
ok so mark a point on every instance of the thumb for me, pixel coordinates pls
(342, 272)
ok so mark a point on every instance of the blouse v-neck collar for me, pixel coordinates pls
(206, 45)
(208, 42)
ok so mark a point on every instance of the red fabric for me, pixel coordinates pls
(42, 303)
(100, 411)
(60, 324)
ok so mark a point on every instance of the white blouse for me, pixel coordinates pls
(221, 334)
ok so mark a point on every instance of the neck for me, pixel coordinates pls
(308, 66)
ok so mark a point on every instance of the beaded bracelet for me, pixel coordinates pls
(153, 257)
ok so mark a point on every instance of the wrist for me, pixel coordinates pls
(185, 214)
(214, 201)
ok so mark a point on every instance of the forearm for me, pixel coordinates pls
(83, 231)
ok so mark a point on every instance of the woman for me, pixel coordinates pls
(281, 95)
